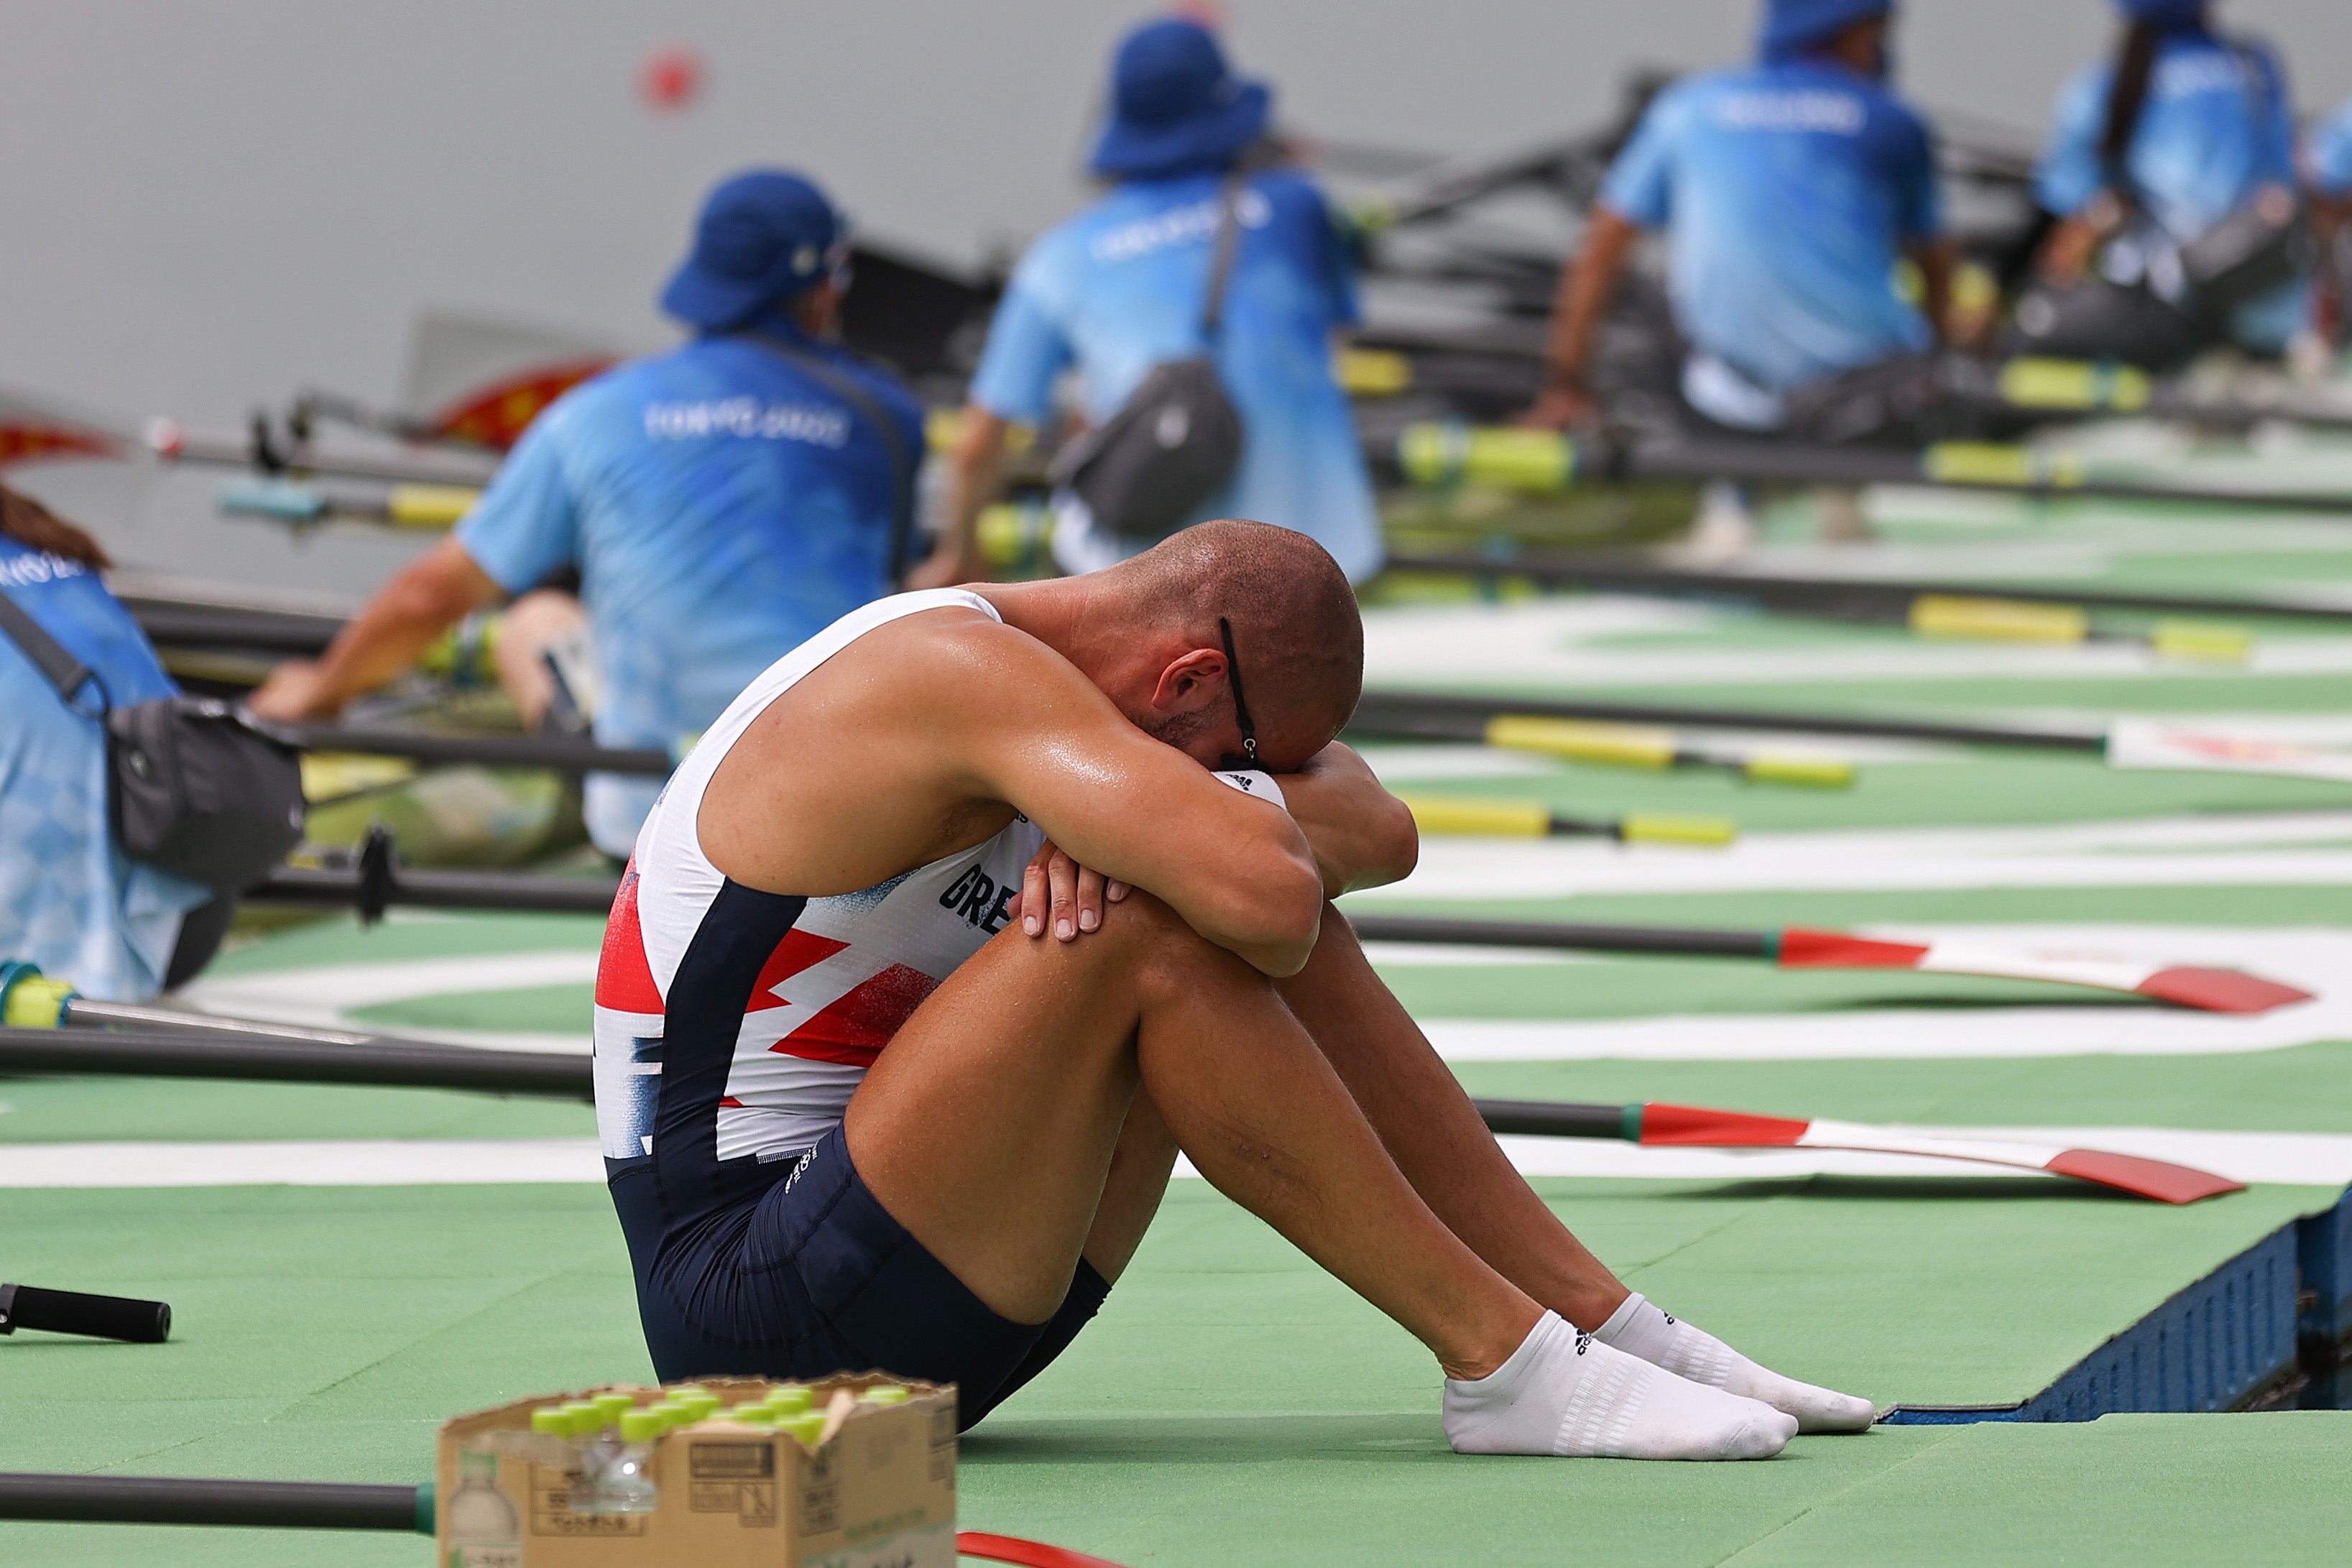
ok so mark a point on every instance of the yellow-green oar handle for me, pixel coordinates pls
(1645, 828)
(2204, 640)
(1997, 620)
(429, 506)
(31, 1000)
(1484, 819)
(1784, 768)
(1617, 745)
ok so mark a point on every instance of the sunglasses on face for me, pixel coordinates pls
(1247, 757)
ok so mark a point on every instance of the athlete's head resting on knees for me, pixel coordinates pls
(1148, 637)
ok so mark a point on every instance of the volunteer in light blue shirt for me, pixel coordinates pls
(2215, 127)
(1788, 191)
(721, 502)
(1121, 288)
(70, 902)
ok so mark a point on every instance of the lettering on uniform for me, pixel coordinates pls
(1839, 114)
(748, 417)
(1178, 225)
(976, 897)
(42, 567)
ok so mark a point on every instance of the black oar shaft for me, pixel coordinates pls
(488, 751)
(1842, 597)
(175, 1053)
(513, 891)
(1668, 940)
(1432, 716)
(80, 1313)
(1561, 1119)
(174, 1499)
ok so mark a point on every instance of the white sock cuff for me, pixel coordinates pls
(1516, 1367)
(1621, 1319)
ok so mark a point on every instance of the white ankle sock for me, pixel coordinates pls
(1565, 1392)
(1639, 1328)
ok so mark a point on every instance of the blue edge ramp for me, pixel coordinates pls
(2282, 1307)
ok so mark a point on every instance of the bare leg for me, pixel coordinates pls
(1436, 1137)
(989, 1129)
(1434, 1134)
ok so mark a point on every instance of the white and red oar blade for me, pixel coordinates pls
(2208, 990)
(2219, 990)
(2166, 1182)
(1690, 1126)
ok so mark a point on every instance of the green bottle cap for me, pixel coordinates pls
(641, 1425)
(700, 1407)
(808, 1426)
(885, 1394)
(611, 1406)
(670, 1413)
(684, 1391)
(789, 1398)
(551, 1421)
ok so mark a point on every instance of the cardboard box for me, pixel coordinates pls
(878, 1491)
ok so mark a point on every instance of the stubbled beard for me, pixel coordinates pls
(1177, 730)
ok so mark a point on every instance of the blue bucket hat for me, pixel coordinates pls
(1176, 106)
(763, 236)
(1792, 27)
(2165, 13)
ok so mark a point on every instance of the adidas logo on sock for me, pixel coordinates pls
(1583, 1340)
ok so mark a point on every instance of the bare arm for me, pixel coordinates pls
(975, 474)
(1585, 287)
(1936, 259)
(426, 598)
(1362, 836)
(1242, 871)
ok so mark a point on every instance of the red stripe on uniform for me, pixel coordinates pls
(798, 951)
(855, 1027)
(625, 981)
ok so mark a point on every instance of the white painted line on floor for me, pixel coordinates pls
(355, 1162)
(2266, 849)
(2287, 1157)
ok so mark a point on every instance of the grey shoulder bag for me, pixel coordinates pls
(1178, 439)
(195, 786)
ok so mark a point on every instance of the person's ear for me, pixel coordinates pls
(818, 309)
(1191, 683)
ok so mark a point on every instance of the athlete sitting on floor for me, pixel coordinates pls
(900, 836)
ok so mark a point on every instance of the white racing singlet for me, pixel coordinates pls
(849, 972)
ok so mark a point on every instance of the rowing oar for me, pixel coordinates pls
(1545, 462)
(336, 1505)
(2130, 744)
(1796, 947)
(34, 428)
(379, 884)
(432, 506)
(1998, 612)
(1654, 1125)
(203, 1048)
(1534, 819)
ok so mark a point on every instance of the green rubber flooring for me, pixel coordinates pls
(1232, 1406)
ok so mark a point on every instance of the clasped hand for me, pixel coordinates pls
(1057, 891)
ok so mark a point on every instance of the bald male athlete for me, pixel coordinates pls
(973, 911)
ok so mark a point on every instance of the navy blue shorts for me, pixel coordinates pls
(810, 1275)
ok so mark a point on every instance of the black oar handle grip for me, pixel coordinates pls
(75, 1313)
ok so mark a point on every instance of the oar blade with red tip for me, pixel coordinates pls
(2182, 986)
(2219, 990)
(2158, 1179)
(1691, 1126)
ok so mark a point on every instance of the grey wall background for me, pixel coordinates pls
(207, 205)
